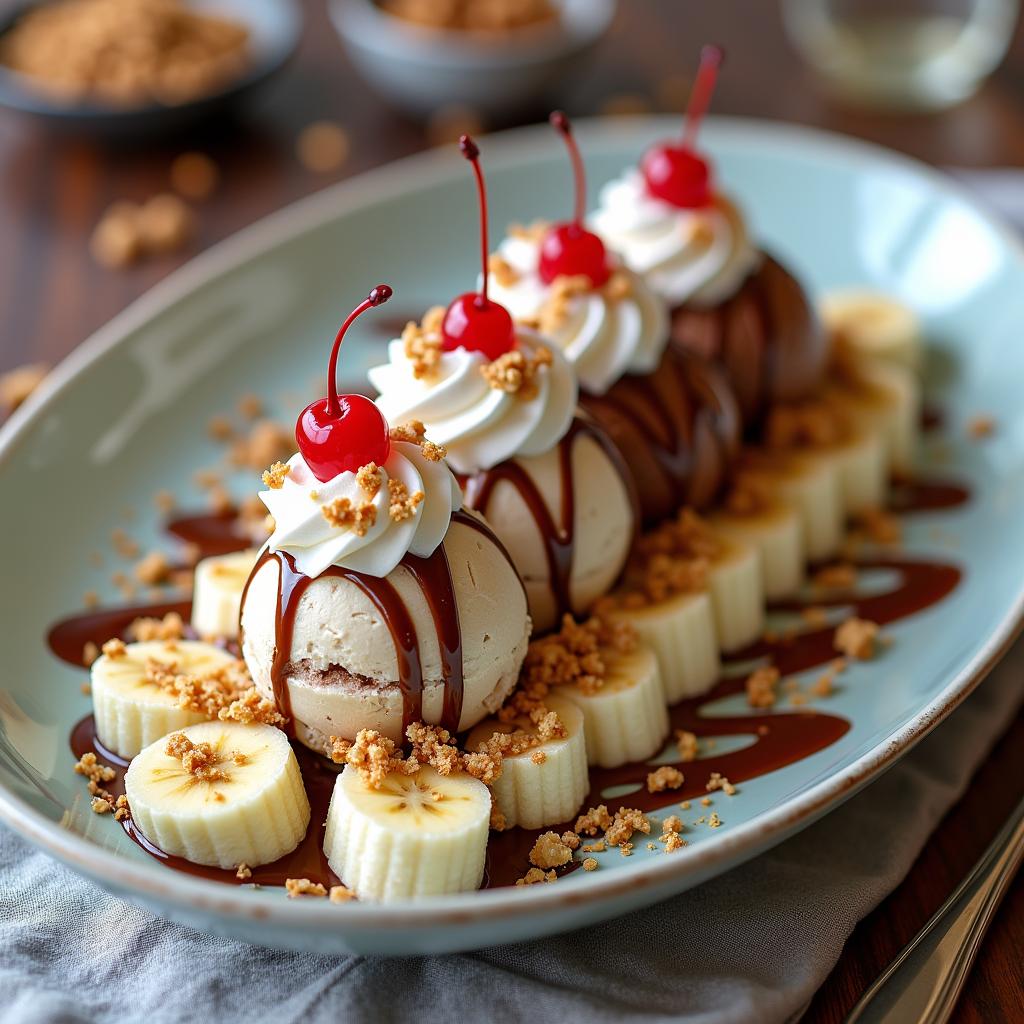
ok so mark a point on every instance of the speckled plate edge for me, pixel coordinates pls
(651, 879)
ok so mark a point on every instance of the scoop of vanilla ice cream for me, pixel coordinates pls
(699, 256)
(603, 526)
(343, 672)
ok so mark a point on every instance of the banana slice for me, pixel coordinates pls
(132, 712)
(886, 399)
(681, 632)
(863, 471)
(242, 802)
(417, 835)
(775, 531)
(809, 483)
(737, 595)
(626, 719)
(217, 593)
(545, 785)
(874, 326)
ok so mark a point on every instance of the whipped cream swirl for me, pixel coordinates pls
(480, 425)
(603, 335)
(302, 529)
(697, 256)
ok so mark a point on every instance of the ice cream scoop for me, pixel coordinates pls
(377, 602)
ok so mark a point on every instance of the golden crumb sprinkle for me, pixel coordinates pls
(665, 777)
(814, 423)
(534, 232)
(100, 805)
(422, 343)
(535, 876)
(153, 569)
(243, 871)
(839, 576)
(369, 479)
(762, 687)
(549, 851)
(538, 757)
(499, 823)
(589, 864)
(686, 745)
(980, 427)
(516, 373)
(673, 841)
(673, 823)
(199, 760)
(303, 887)
(146, 628)
(115, 648)
(341, 894)
(558, 302)
(880, 525)
(323, 146)
(374, 757)
(857, 638)
(719, 781)
(251, 707)
(714, 821)
(274, 477)
(433, 452)
(412, 431)
(502, 271)
(618, 287)
(343, 515)
(575, 655)
(93, 769)
(672, 559)
(401, 504)
(599, 847)
(17, 384)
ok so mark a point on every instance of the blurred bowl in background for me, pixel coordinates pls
(421, 70)
(274, 26)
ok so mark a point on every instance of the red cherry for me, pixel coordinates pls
(340, 433)
(569, 249)
(678, 176)
(477, 326)
(473, 321)
(676, 173)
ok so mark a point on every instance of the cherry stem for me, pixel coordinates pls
(563, 126)
(377, 297)
(711, 58)
(471, 152)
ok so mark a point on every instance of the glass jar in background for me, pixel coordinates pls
(902, 54)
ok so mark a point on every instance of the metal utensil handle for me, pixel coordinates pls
(923, 984)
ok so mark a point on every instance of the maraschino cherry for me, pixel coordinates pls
(474, 321)
(677, 173)
(569, 249)
(343, 432)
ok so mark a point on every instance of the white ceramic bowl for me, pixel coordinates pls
(422, 70)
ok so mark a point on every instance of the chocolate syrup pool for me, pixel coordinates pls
(776, 739)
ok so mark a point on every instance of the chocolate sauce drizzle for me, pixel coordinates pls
(558, 538)
(678, 429)
(780, 738)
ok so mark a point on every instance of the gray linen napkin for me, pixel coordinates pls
(750, 946)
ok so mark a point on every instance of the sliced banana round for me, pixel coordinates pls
(417, 835)
(220, 794)
(217, 593)
(546, 784)
(863, 471)
(809, 483)
(874, 325)
(737, 595)
(775, 531)
(625, 719)
(130, 710)
(681, 632)
(886, 399)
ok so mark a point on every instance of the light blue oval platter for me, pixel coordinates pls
(124, 417)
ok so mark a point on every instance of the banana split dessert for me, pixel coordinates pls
(487, 609)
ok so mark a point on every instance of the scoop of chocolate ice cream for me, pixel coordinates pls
(678, 429)
(767, 337)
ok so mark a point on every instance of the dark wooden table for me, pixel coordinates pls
(52, 295)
